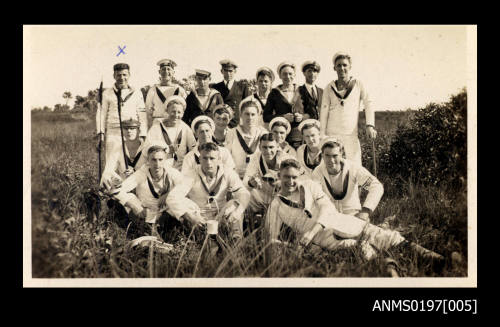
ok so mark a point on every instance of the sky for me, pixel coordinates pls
(401, 66)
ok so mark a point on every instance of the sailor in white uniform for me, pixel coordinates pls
(280, 127)
(159, 93)
(261, 176)
(215, 195)
(131, 107)
(203, 128)
(243, 140)
(340, 108)
(122, 164)
(341, 178)
(172, 132)
(153, 184)
(303, 206)
(309, 154)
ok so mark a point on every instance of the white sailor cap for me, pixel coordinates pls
(311, 64)
(202, 119)
(307, 122)
(284, 64)
(330, 139)
(177, 99)
(166, 62)
(227, 63)
(253, 101)
(282, 120)
(341, 53)
(265, 70)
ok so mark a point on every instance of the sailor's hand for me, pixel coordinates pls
(298, 117)
(195, 219)
(129, 171)
(143, 214)
(363, 215)
(308, 236)
(100, 140)
(371, 132)
(255, 182)
(290, 117)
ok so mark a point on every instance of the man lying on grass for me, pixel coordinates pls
(153, 183)
(304, 207)
(215, 194)
(340, 179)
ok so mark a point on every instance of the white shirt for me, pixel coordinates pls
(358, 176)
(229, 84)
(107, 117)
(336, 118)
(309, 88)
(239, 155)
(189, 162)
(154, 106)
(196, 192)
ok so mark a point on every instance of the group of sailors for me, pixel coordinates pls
(222, 156)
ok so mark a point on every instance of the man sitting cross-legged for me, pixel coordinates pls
(215, 194)
(303, 206)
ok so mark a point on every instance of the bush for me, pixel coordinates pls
(431, 147)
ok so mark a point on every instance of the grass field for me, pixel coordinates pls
(67, 244)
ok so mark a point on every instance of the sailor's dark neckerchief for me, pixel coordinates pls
(164, 190)
(169, 142)
(122, 101)
(136, 158)
(296, 205)
(248, 150)
(338, 196)
(263, 167)
(214, 190)
(349, 88)
(313, 165)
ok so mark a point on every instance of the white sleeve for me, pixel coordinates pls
(369, 182)
(324, 110)
(369, 113)
(129, 184)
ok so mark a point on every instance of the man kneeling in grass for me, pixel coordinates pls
(215, 194)
(303, 206)
(153, 183)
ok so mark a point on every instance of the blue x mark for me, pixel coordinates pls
(121, 50)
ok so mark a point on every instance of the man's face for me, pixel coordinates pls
(268, 149)
(289, 177)
(311, 137)
(175, 112)
(250, 116)
(221, 121)
(264, 83)
(202, 82)
(287, 75)
(204, 133)
(333, 159)
(209, 161)
(121, 77)
(130, 133)
(166, 73)
(279, 133)
(228, 73)
(342, 67)
(156, 162)
(311, 75)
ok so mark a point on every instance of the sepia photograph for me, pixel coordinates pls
(249, 155)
